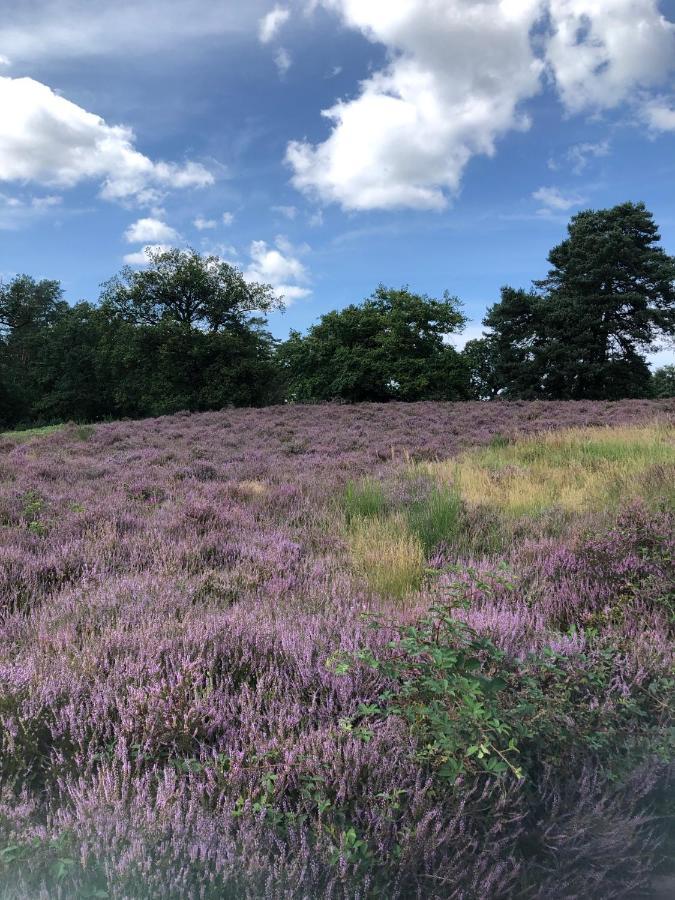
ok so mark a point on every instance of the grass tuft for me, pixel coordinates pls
(364, 499)
(436, 519)
(387, 554)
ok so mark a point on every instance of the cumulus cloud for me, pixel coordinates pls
(280, 267)
(457, 75)
(601, 51)
(580, 154)
(272, 23)
(228, 218)
(554, 200)
(49, 140)
(140, 257)
(17, 212)
(150, 230)
(4, 60)
(659, 114)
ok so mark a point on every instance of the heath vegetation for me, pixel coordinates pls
(410, 650)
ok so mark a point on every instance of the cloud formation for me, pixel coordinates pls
(150, 230)
(57, 29)
(280, 267)
(601, 51)
(272, 23)
(202, 224)
(554, 200)
(141, 257)
(659, 114)
(46, 139)
(458, 74)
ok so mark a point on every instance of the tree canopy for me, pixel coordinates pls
(185, 287)
(189, 331)
(584, 329)
(391, 346)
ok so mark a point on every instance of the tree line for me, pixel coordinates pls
(189, 332)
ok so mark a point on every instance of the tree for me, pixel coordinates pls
(663, 382)
(391, 346)
(185, 287)
(479, 356)
(27, 304)
(28, 308)
(515, 344)
(583, 332)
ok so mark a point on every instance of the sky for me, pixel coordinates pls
(328, 146)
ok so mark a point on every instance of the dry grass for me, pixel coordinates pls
(387, 554)
(575, 470)
(251, 488)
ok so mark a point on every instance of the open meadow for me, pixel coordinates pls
(347, 652)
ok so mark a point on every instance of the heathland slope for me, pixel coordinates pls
(389, 651)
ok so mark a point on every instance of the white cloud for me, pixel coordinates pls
(473, 331)
(283, 61)
(4, 60)
(18, 212)
(659, 114)
(140, 257)
(458, 71)
(601, 51)
(202, 224)
(280, 267)
(46, 139)
(150, 230)
(554, 200)
(579, 154)
(228, 218)
(272, 23)
(66, 29)
(289, 212)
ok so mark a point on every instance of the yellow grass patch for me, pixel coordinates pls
(387, 554)
(251, 488)
(576, 469)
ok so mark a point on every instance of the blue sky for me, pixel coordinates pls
(461, 137)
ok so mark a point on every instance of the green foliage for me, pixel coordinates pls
(436, 518)
(583, 332)
(448, 696)
(364, 499)
(472, 709)
(663, 382)
(185, 333)
(390, 347)
(185, 287)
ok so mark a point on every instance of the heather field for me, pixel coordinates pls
(375, 651)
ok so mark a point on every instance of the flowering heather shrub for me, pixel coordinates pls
(174, 596)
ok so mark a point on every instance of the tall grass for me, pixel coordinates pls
(436, 519)
(575, 470)
(387, 554)
(364, 499)
(390, 539)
